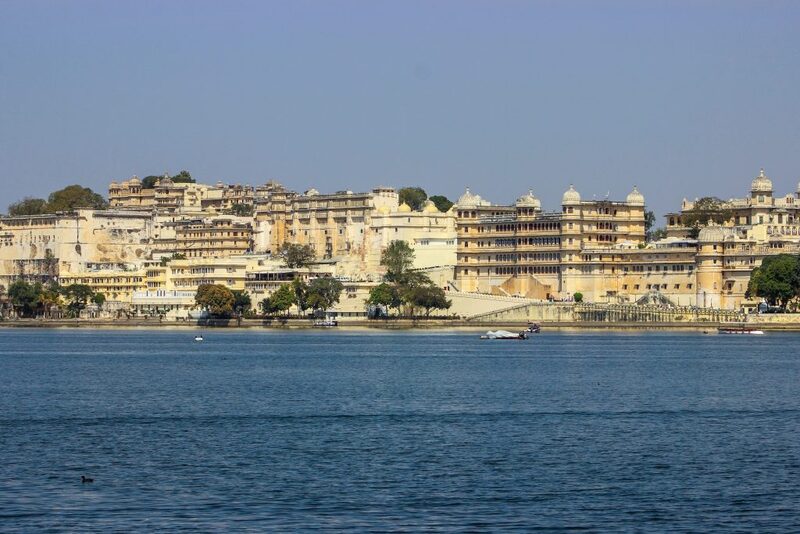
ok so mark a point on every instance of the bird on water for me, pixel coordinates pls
(85, 480)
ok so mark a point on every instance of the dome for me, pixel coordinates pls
(134, 180)
(528, 200)
(384, 210)
(467, 199)
(571, 196)
(635, 197)
(761, 184)
(311, 192)
(430, 207)
(712, 234)
(113, 183)
(404, 208)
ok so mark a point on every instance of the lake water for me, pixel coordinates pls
(302, 430)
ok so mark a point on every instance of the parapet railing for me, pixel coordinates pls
(593, 312)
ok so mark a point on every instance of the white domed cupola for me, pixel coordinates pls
(467, 199)
(571, 196)
(761, 184)
(635, 197)
(529, 201)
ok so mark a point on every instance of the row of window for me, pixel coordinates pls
(657, 286)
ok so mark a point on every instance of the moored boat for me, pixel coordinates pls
(740, 330)
(505, 334)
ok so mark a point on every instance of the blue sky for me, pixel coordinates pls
(680, 98)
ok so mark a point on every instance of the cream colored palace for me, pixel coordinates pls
(229, 234)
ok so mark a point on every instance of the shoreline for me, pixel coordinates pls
(397, 324)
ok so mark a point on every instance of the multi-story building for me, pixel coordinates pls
(191, 273)
(213, 237)
(222, 198)
(118, 286)
(335, 225)
(430, 233)
(726, 256)
(780, 214)
(272, 204)
(520, 249)
(41, 247)
(167, 196)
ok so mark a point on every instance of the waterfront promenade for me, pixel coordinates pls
(774, 322)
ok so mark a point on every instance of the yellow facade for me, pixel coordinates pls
(519, 249)
(761, 207)
(116, 286)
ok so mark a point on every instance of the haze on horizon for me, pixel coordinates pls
(683, 99)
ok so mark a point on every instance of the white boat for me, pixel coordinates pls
(504, 334)
(740, 330)
(198, 338)
(326, 322)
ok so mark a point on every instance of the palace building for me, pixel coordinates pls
(521, 250)
(780, 214)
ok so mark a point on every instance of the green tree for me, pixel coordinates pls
(398, 258)
(296, 256)
(183, 177)
(650, 232)
(241, 301)
(578, 296)
(242, 210)
(175, 256)
(384, 295)
(413, 196)
(77, 296)
(704, 210)
(300, 290)
(442, 203)
(99, 299)
(280, 301)
(324, 293)
(777, 280)
(28, 206)
(149, 182)
(25, 298)
(217, 299)
(657, 233)
(75, 196)
(429, 297)
(51, 297)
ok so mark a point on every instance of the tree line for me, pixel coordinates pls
(403, 289)
(34, 299)
(66, 199)
(415, 197)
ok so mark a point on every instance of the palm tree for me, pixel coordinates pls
(50, 298)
